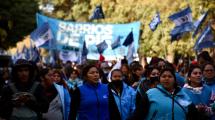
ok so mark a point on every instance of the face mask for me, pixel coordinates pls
(117, 83)
(154, 79)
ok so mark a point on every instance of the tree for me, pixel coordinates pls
(17, 19)
(122, 11)
(155, 43)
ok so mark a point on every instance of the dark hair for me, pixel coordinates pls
(62, 81)
(208, 63)
(43, 72)
(86, 69)
(75, 71)
(169, 69)
(68, 70)
(205, 55)
(20, 63)
(124, 60)
(133, 63)
(136, 67)
(149, 69)
(170, 65)
(115, 70)
(191, 68)
(154, 61)
(103, 77)
(57, 71)
(126, 65)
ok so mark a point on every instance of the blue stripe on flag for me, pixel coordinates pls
(180, 14)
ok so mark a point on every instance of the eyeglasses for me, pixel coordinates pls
(209, 70)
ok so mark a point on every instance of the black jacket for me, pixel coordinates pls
(39, 106)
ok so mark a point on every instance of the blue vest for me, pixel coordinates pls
(93, 102)
(202, 98)
(161, 105)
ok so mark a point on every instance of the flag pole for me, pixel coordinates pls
(115, 54)
(31, 56)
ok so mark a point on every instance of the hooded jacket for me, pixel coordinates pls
(41, 103)
(157, 104)
(125, 102)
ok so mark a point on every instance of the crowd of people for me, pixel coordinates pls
(157, 91)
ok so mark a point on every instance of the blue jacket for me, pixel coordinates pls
(65, 99)
(74, 83)
(161, 104)
(180, 79)
(93, 102)
(210, 84)
(199, 98)
(125, 102)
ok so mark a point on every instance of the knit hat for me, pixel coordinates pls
(22, 62)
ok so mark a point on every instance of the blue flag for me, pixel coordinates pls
(129, 39)
(155, 22)
(97, 13)
(35, 54)
(66, 55)
(42, 35)
(102, 47)
(84, 50)
(116, 43)
(24, 49)
(83, 58)
(53, 57)
(205, 40)
(17, 56)
(198, 23)
(130, 54)
(183, 22)
(27, 54)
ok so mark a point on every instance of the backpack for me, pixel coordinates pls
(23, 112)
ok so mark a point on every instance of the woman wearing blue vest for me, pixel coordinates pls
(90, 101)
(200, 94)
(167, 101)
(122, 97)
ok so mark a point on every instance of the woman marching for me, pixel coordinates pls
(90, 101)
(167, 101)
(200, 94)
(58, 97)
(122, 97)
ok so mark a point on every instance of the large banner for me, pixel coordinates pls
(71, 36)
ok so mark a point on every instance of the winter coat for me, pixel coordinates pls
(201, 95)
(125, 102)
(157, 104)
(65, 99)
(39, 106)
